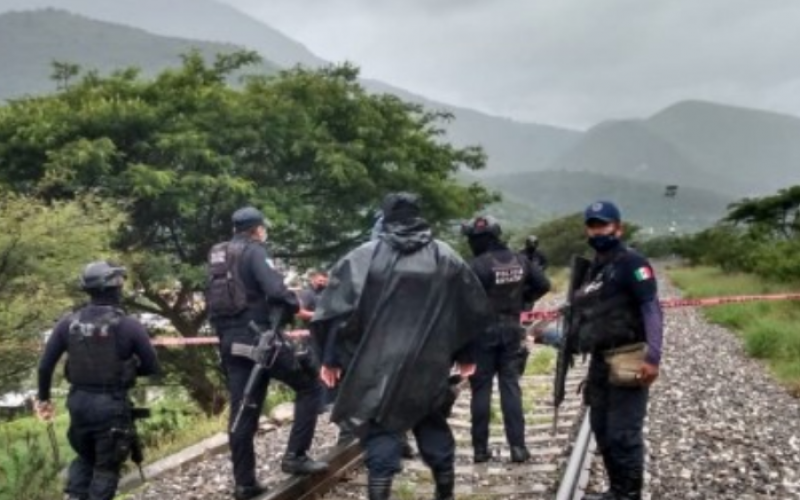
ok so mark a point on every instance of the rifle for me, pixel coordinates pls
(137, 450)
(264, 355)
(569, 328)
(127, 442)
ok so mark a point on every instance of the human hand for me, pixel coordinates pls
(45, 411)
(466, 370)
(648, 374)
(298, 334)
(330, 376)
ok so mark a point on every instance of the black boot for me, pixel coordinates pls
(631, 483)
(614, 482)
(520, 454)
(482, 454)
(379, 488)
(445, 483)
(301, 464)
(249, 491)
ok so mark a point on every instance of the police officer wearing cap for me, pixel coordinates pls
(246, 261)
(510, 281)
(106, 351)
(619, 304)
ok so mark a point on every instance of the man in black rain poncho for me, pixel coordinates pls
(398, 312)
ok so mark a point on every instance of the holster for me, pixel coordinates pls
(454, 385)
(123, 439)
(624, 364)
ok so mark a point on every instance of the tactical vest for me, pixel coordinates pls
(605, 322)
(509, 282)
(226, 294)
(93, 358)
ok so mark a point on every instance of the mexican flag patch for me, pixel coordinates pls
(643, 274)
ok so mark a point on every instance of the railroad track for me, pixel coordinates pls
(558, 467)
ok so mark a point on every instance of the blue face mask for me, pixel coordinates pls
(604, 242)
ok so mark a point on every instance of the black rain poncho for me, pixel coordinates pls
(403, 307)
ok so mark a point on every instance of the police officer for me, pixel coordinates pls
(255, 291)
(533, 254)
(620, 297)
(309, 296)
(106, 351)
(510, 281)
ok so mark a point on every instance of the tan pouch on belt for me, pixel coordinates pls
(624, 364)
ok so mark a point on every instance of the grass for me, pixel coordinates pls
(542, 361)
(27, 466)
(768, 329)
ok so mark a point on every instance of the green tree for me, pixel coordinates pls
(180, 152)
(779, 214)
(64, 72)
(43, 248)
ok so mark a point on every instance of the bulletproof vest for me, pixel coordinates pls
(93, 358)
(605, 322)
(509, 282)
(226, 294)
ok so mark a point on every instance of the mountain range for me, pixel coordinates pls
(716, 153)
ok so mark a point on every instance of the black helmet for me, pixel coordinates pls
(483, 224)
(101, 274)
(531, 242)
(248, 218)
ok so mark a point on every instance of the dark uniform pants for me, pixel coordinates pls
(94, 474)
(434, 440)
(498, 354)
(617, 420)
(237, 369)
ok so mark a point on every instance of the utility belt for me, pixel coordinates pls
(115, 390)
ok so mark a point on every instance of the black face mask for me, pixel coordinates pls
(604, 242)
(107, 296)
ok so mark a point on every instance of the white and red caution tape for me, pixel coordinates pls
(182, 341)
(525, 317)
(530, 316)
(551, 314)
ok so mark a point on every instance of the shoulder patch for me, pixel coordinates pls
(643, 273)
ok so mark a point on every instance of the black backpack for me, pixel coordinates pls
(225, 291)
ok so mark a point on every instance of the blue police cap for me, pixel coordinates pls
(602, 210)
(247, 218)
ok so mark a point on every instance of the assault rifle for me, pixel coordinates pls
(264, 354)
(569, 332)
(127, 442)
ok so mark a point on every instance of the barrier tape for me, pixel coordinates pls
(544, 314)
(673, 303)
(525, 317)
(181, 341)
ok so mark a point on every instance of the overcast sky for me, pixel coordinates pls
(562, 62)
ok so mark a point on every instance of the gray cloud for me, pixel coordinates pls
(563, 62)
